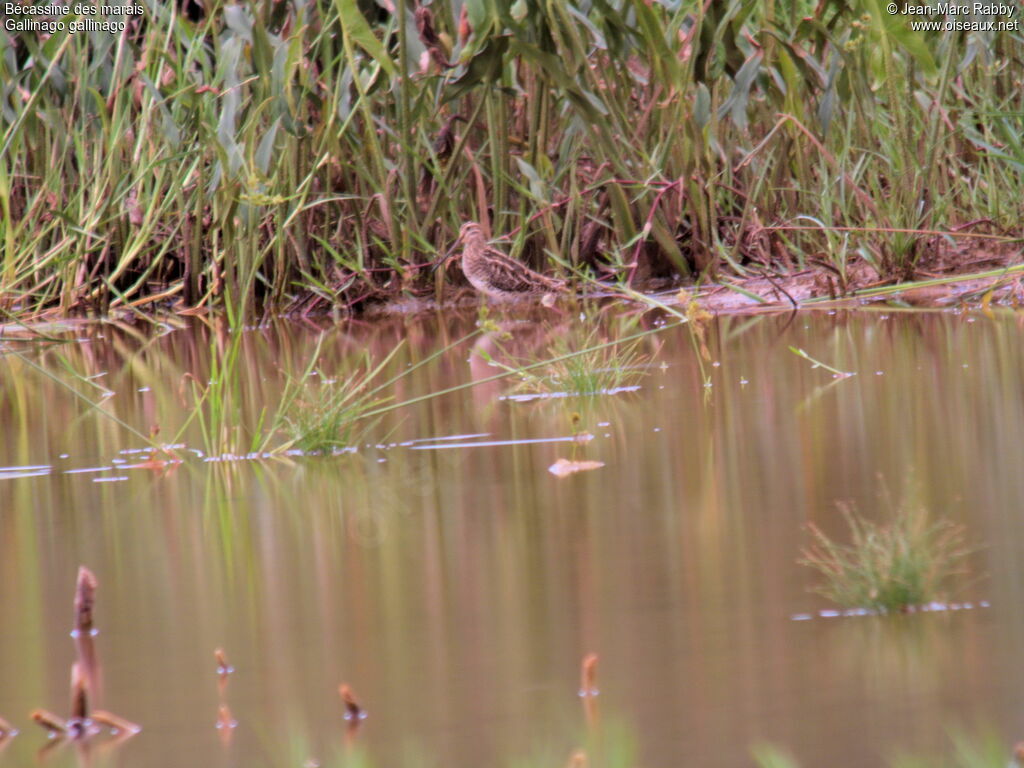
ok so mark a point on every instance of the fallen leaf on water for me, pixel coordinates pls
(565, 467)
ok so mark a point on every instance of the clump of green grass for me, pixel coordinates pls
(890, 566)
(330, 416)
(594, 368)
(338, 411)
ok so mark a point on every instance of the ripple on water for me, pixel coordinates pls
(933, 607)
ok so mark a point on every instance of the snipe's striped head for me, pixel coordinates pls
(471, 233)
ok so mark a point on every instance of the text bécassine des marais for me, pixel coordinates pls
(80, 9)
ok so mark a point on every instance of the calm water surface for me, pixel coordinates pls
(455, 583)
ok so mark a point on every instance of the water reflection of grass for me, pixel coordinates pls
(981, 750)
(613, 745)
(617, 748)
(590, 367)
(890, 566)
(570, 360)
(331, 418)
(217, 404)
(253, 395)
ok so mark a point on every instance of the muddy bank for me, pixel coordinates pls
(965, 275)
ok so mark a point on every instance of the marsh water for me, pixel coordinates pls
(442, 571)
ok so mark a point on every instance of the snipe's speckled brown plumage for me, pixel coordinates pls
(496, 275)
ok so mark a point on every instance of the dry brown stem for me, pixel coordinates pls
(85, 599)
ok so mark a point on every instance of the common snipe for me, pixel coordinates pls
(493, 273)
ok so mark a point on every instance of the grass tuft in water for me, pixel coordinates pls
(340, 411)
(326, 418)
(332, 415)
(891, 566)
(593, 368)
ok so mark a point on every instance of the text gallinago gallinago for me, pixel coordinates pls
(493, 273)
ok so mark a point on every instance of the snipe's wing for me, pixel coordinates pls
(509, 276)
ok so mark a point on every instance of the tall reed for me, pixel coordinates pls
(320, 153)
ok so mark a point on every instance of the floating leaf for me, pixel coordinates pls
(566, 467)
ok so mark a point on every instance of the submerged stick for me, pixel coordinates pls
(85, 599)
(89, 663)
(588, 675)
(83, 632)
(117, 725)
(353, 711)
(225, 720)
(79, 694)
(226, 724)
(7, 730)
(55, 725)
(223, 667)
(78, 724)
